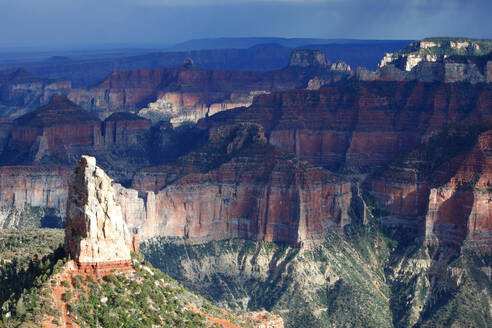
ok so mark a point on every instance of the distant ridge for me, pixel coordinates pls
(243, 43)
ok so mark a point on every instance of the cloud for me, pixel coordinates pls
(34, 22)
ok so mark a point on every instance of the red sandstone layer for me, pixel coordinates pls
(359, 125)
(451, 206)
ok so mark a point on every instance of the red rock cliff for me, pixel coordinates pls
(189, 93)
(243, 188)
(62, 127)
(444, 194)
(359, 125)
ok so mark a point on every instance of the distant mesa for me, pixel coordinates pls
(58, 59)
(308, 58)
(446, 60)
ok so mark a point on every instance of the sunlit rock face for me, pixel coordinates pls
(95, 230)
(237, 186)
(188, 93)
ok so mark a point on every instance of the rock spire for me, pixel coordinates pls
(95, 231)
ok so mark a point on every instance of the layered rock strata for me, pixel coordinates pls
(359, 125)
(95, 232)
(188, 93)
(441, 190)
(238, 185)
(31, 193)
(61, 128)
(446, 60)
(21, 92)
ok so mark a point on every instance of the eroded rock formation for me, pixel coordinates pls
(238, 185)
(441, 190)
(445, 60)
(21, 92)
(189, 93)
(95, 231)
(360, 125)
(64, 130)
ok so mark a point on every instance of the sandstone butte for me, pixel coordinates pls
(61, 127)
(96, 235)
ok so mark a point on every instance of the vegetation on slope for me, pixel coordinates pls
(339, 283)
(362, 278)
(143, 298)
(27, 259)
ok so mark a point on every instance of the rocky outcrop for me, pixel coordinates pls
(435, 49)
(361, 125)
(308, 58)
(447, 60)
(95, 231)
(51, 129)
(22, 92)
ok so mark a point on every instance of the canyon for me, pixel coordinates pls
(21, 92)
(232, 185)
(311, 183)
(358, 126)
(188, 93)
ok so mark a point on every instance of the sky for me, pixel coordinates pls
(45, 23)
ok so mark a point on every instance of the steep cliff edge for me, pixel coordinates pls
(189, 93)
(104, 284)
(60, 132)
(357, 126)
(95, 231)
(447, 60)
(21, 92)
(238, 185)
(441, 190)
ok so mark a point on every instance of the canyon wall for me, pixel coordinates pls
(22, 92)
(31, 193)
(190, 93)
(61, 128)
(249, 190)
(359, 125)
(437, 59)
(447, 199)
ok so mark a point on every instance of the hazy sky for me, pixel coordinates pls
(78, 22)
